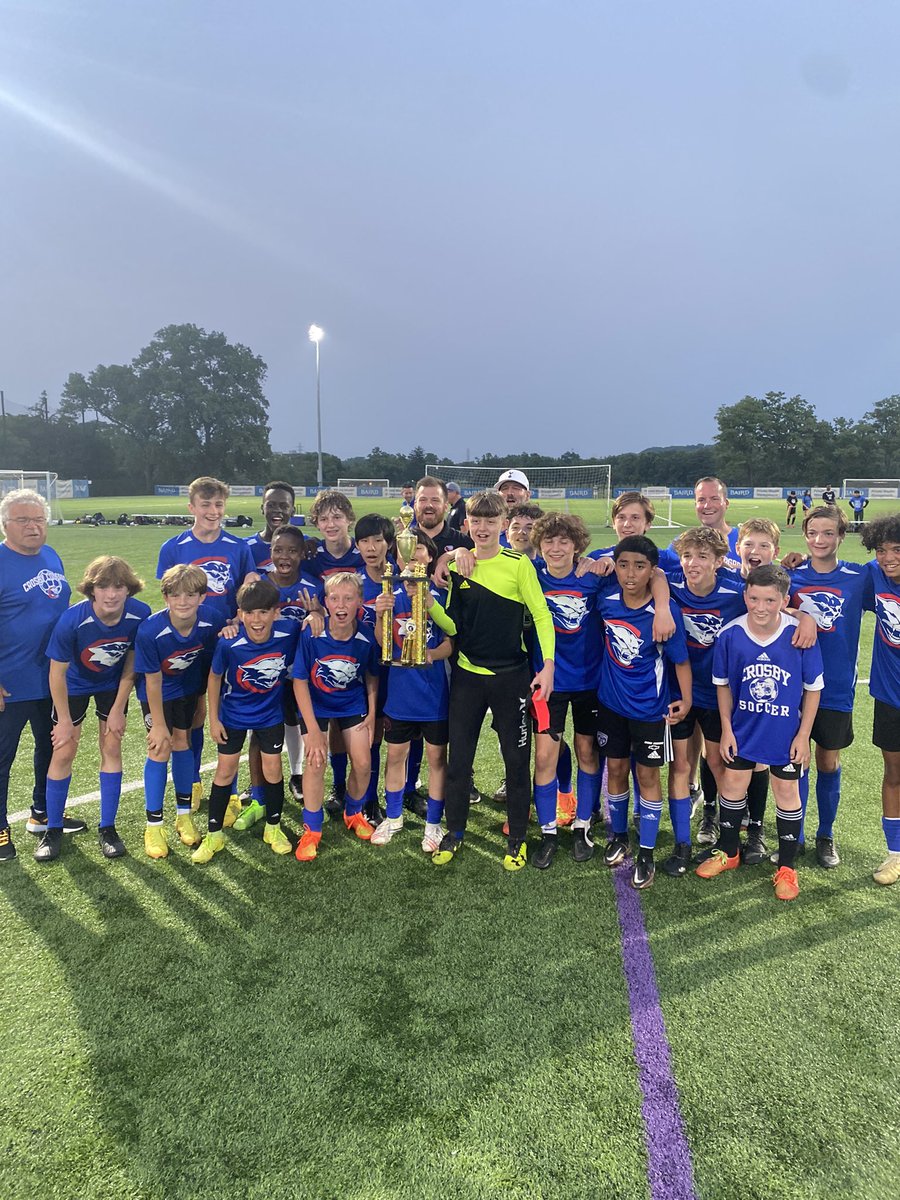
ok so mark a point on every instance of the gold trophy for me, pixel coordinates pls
(415, 626)
(387, 618)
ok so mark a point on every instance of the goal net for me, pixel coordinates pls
(584, 489)
(661, 498)
(873, 489)
(42, 482)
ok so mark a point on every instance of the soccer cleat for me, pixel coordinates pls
(616, 850)
(187, 831)
(717, 862)
(565, 809)
(308, 846)
(500, 794)
(474, 794)
(582, 846)
(155, 843)
(374, 813)
(786, 886)
(889, 871)
(754, 850)
(295, 787)
(37, 823)
(211, 844)
(696, 800)
(359, 825)
(434, 835)
(334, 803)
(450, 845)
(7, 846)
(800, 852)
(678, 862)
(516, 856)
(49, 846)
(245, 797)
(196, 796)
(546, 852)
(250, 815)
(708, 833)
(275, 837)
(415, 803)
(826, 855)
(383, 833)
(644, 870)
(232, 812)
(110, 842)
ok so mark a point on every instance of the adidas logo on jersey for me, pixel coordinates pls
(763, 657)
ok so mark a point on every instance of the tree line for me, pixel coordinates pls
(192, 403)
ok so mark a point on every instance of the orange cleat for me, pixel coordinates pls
(308, 846)
(565, 808)
(786, 885)
(359, 825)
(717, 862)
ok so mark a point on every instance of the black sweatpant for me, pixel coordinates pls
(507, 696)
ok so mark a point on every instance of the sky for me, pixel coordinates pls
(532, 226)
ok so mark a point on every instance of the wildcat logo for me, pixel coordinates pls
(261, 674)
(765, 689)
(702, 628)
(176, 663)
(623, 642)
(292, 610)
(824, 605)
(887, 609)
(50, 582)
(568, 610)
(101, 656)
(334, 673)
(218, 574)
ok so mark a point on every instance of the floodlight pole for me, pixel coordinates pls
(316, 334)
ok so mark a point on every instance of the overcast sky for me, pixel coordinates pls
(522, 225)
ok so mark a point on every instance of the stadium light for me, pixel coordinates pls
(316, 333)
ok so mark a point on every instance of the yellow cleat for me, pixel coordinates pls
(187, 830)
(274, 836)
(196, 796)
(155, 843)
(211, 844)
(232, 812)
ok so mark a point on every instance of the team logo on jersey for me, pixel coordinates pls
(175, 664)
(568, 610)
(764, 690)
(262, 673)
(887, 607)
(623, 642)
(824, 605)
(100, 656)
(702, 628)
(335, 673)
(292, 610)
(50, 582)
(218, 574)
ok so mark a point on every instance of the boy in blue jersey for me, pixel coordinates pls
(858, 505)
(172, 653)
(91, 654)
(635, 710)
(768, 696)
(277, 508)
(883, 598)
(246, 683)
(336, 680)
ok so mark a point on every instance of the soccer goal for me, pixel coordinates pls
(874, 489)
(588, 484)
(661, 498)
(42, 482)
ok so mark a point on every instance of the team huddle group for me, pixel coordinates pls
(707, 657)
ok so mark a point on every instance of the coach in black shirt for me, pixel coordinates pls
(457, 514)
(430, 505)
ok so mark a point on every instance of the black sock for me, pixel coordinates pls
(757, 793)
(219, 795)
(710, 788)
(274, 794)
(731, 814)
(788, 825)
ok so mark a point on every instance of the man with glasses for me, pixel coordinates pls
(33, 596)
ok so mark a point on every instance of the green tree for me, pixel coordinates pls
(769, 440)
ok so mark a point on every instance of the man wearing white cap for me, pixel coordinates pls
(514, 487)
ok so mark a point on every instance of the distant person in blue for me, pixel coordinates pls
(858, 505)
(33, 596)
(91, 656)
(806, 500)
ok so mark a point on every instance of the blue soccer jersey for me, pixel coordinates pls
(634, 680)
(669, 560)
(767, 679)
(579, 647)
(420, 693)
(253, 675)
(34, 594)
(323, 563)
(261, 552)
(182, 659)
(704, 618)
(834, 600)
(883, 599)
(95, 652)
(336, 671)
(371, 590)
(290, 598)
(226, 561)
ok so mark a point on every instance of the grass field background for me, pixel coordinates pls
(373, 1027)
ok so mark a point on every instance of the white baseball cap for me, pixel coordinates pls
(518, 477)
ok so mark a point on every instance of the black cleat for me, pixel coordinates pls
(334, 803)
(754, 850)
(679, 861)
(49, 846)
(644, 871)
(110, 842)
(416, 803)
(37, 823)
(582, 846)
(295, 787)
(826, 855)
(616, 850)
(546, 852)
(7, 846)
(374, 813)
(500, 794)
(708, 833)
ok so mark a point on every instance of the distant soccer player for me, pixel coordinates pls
(829, 496)
(791, 516)
(858, 505)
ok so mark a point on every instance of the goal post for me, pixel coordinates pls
(872, 489)
(661, 499)
(43, 482)
(585, 487)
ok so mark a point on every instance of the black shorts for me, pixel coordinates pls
(78, 706)
(707, 718)
(289, 712)
(886, 727)
(585, 708)
(833, 730)
(270, 740)
(179, 713)
(398, 733)
(785, 771)
(341, 722)
(620, 737)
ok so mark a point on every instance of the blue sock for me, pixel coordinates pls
(393, 804)
(313, 820)
(351, 806)
(110, 793)
(416, 746)
(258, 793)
(435, 813)
(651, 812)
(588, 794)
(636, 786)
(183, 772)
(564, 768)
(891, 827)
(828, 796)
(57, 795)
(197, 751)
(155, 774)
(545, 805)
(680, 813)
(375, 760)
(339, 772)
(803, 784)
(618, 814)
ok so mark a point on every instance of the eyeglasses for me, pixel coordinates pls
(26, 521)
